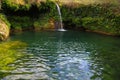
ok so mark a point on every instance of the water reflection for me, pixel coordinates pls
(9, 52)
(67, 56)
(30, 67)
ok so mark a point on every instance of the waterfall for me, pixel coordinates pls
(61, 24)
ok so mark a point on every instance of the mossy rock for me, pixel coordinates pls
(4, 28)
(44, 25)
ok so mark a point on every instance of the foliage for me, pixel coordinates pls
(100, 24)
(93, 17)
(15, 5)
(21, 19)
(20, 23)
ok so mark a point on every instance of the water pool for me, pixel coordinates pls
(69, 55)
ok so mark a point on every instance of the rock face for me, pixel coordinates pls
(4, 30)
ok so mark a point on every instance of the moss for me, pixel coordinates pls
(3, 18)
(43, 23)
(9, 53)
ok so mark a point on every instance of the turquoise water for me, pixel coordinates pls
(69, 55)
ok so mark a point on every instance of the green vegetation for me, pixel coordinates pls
(3, 18)
(36, 18)
(15, 5)
(42, 24)
(20, 23)
(91, 15)
(9, 53)
(96, 18)
(101, 16)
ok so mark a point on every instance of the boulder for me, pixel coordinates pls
(4, 30)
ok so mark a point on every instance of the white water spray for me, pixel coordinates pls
(61, 24)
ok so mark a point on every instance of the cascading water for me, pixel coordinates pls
(61, 25)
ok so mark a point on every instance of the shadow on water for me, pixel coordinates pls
(69, 55)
